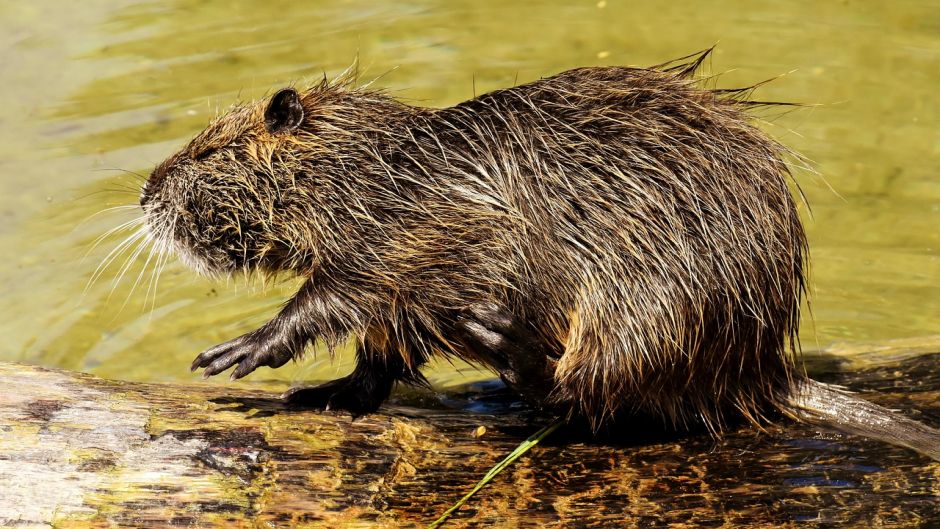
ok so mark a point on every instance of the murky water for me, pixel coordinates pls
(95, 93)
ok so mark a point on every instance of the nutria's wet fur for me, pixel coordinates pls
(636, 225)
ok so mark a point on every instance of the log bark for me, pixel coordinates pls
(79, 451)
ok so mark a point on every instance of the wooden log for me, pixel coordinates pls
(79, 451)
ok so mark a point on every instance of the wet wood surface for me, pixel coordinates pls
(78, 451)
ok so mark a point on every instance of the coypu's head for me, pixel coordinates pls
(221, 201)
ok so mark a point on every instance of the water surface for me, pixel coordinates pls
(97, 93)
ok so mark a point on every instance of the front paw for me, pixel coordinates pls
(249, 351)
(338, 395)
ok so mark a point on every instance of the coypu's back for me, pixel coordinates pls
(650, 236)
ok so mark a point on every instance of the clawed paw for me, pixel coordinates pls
(249, 352)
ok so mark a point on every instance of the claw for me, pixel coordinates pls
(243, 369)
(205, 358)
(221, 363)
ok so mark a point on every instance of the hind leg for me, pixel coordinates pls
(498, 339)
(362, 391)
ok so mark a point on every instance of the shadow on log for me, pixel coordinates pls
(78, 451)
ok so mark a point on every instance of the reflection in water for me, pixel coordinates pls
(98, 95)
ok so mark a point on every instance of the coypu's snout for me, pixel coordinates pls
(175, 208)
(146, 191)
(154, 194)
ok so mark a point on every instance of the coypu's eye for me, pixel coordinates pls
(284, 112)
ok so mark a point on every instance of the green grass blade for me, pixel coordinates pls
(524, 447)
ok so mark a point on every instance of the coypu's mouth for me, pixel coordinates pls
(166, 232)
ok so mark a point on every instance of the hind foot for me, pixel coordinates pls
(344, 394)
(497, 338)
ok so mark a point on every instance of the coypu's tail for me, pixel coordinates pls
(817, 403)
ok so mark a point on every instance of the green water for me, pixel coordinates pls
(95, 91)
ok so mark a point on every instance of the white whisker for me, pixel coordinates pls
(141, 245)
(112, 255)
(107, 210)
(98, 240)
(143, 270)
(163, 256)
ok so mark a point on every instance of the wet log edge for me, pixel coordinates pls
(80, 451)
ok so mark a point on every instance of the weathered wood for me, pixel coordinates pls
(78, 451)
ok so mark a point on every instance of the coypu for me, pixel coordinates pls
(609, 240)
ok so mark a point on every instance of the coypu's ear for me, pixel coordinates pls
(284, 112)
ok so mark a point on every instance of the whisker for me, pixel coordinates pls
(140, 176)
(158, 270)
(159, 243)
(141, 246)
(124, 191)
(111, 209)
(112, 255)
(151, 287)
(124, 188)
(98, 240)
(143, 270)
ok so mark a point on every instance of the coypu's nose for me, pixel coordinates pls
(157, 176)
(148, 189)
